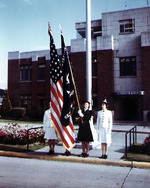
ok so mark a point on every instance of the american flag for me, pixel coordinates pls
(66, 134)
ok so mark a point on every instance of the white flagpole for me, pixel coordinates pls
(88, 53)
(89, 64)
(89, 68)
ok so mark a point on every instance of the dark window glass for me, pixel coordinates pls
(25, 72)
(121, 28)
(128, 66)
(25, 102)
(94, 68)
(41, 72)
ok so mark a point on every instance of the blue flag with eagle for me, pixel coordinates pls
(68, 87)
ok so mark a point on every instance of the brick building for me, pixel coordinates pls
(120, 66)
(28, 80)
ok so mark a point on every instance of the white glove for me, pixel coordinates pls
(80, 113)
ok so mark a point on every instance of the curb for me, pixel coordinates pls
(131, 164)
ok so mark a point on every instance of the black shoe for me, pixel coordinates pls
(86, 155)
(82, 155)
(102, 157)
(67, 153)
(105, 156)
(51, 152)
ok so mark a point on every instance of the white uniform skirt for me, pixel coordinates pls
(105, 137)
(50, 133)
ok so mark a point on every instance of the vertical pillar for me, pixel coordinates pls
(88, 52)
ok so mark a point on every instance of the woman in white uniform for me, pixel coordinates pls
(49, 129)
(104, 127)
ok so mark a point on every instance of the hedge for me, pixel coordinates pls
(18, 112)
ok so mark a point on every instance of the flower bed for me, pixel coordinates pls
(14, 134)
(147, 144)
(147, 140)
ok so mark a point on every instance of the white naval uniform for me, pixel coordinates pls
(48, 126)
(104, 126)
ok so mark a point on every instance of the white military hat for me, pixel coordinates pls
(105, 101)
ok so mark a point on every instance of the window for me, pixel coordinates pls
(25, 72)
(94, 68)
(25, 102)
(127, 26)
(128, 66)
(95, 102)
(41, 72)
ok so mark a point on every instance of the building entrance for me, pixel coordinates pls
(128, 108)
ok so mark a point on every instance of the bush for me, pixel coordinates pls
(147, 144)
(36, 116)
(6, 105)
(18, 112)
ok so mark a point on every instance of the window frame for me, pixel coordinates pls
(127, 26)
(26, 72)
(26, 102)
(128, 66)
(41, 67)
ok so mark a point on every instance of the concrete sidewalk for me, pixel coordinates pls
(115, 151)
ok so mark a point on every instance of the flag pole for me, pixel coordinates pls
(88, 53)
(72, 76)
(75, 88)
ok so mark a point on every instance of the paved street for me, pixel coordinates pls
(54, 172)
(29, 173)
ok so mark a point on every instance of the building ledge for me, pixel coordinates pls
(129, 93)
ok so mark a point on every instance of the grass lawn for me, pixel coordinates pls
(138, 153)
(19, 121)
(22, 148)
(138, 157)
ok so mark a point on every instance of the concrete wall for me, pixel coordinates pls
(126, 45)
(31, 54)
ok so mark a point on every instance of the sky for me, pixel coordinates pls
(24, 23)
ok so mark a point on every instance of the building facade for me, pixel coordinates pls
(120, 66)
(28, 81)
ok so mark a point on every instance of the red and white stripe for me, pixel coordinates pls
(66, 134)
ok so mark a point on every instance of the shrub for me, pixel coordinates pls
(147, 144)
(18, 112)
(147, 140)
(6, 105)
